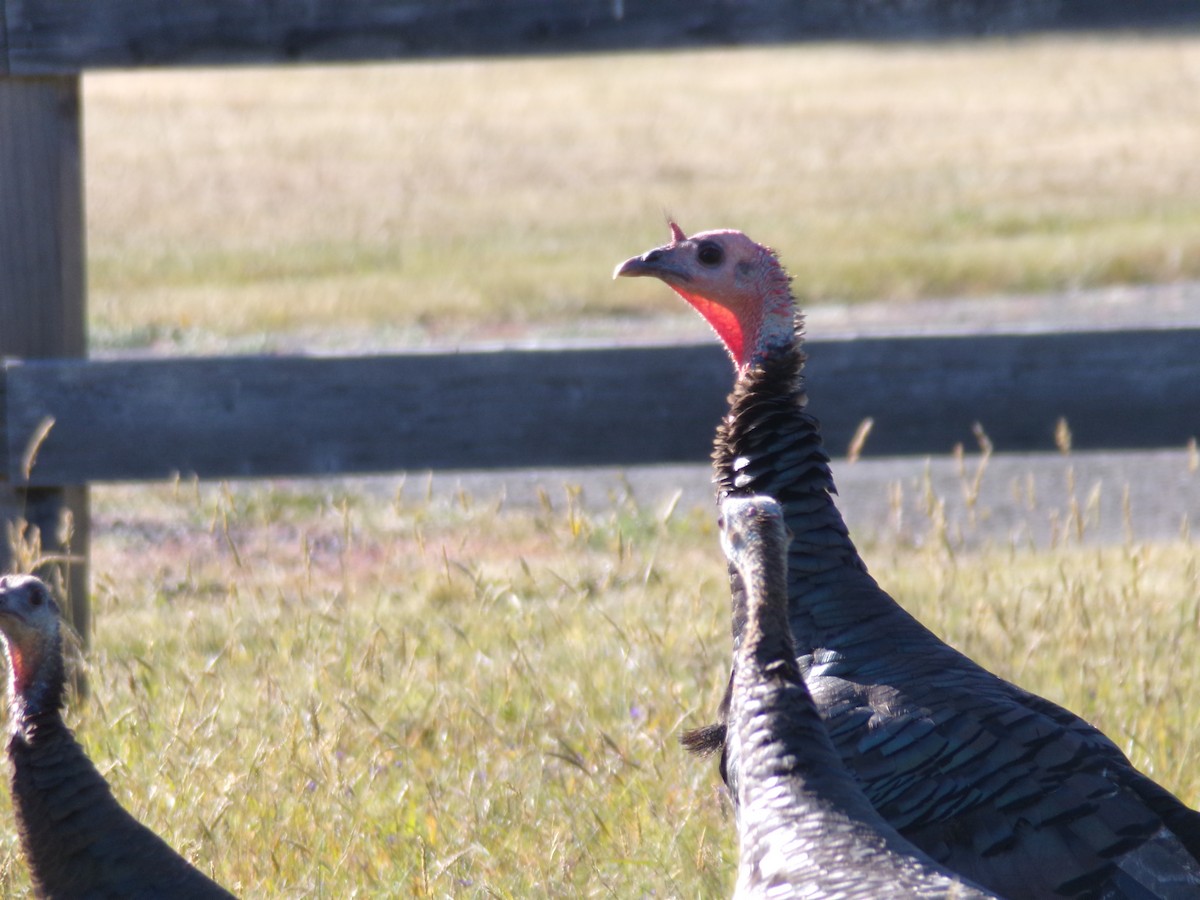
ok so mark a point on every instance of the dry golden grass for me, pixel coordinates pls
(336, 695)
(339, 690)
(469, 195)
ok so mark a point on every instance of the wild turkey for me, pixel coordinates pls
(78, 841)
(804, 827)
(995, 783)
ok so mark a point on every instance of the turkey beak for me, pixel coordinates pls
(8, 605)
(658, 263)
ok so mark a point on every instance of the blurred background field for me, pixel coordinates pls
(367, 687)
(475, 199)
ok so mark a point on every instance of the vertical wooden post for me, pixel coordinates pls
(42, 297)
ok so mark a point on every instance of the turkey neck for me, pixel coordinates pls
(46, 758)
(52, 779)
(783, 740)
(35, 708)
(770, 444)
(766, 645)
(37, 730)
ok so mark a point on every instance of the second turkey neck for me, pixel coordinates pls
(39, 706)
(770, 444)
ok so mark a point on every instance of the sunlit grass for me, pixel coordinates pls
(347, 689)
(344, 696)
(466, 196)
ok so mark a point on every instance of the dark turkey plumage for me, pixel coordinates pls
(996, 783)
(804, 827)
(78, 841)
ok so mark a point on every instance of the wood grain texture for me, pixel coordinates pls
(65, 35)
(42, 308)
(1116, 390)
(41, 218)
(4, 68)
(250, 417)
(70, 35)
(271, 416)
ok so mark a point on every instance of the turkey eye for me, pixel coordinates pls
(37, 598)
(709, 254)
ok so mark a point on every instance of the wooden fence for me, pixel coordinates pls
(121, 420)
(251, 417)
(40, 37)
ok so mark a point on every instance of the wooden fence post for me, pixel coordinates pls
(42, 300)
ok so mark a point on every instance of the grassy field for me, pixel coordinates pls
(346, 689)
(471, 198)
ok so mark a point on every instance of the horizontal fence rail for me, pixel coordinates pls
(88, 421)
(39, 37)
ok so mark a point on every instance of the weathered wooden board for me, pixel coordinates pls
(1115, 389)
(42, 289)
(41, 218)
(71, 35)
(233, 417)
(268, 416)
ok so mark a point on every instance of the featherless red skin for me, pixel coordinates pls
(751, 302)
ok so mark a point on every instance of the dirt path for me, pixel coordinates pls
(1027, 499)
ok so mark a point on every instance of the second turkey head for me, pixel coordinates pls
(29, 625)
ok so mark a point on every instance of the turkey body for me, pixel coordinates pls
(993, 781)
(804, 827)
(78, 841)
(1000, 785)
